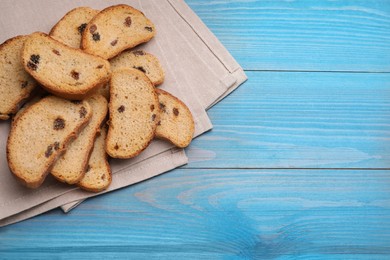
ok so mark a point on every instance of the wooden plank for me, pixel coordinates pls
(253, 214)
(300, 120)
(306, 35)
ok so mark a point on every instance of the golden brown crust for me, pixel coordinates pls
(149, 137)
(190, 122)
(97, 187)
(50, 162)
(86, 42)
(58, 28)
(61, 171)
(23, 96)
(76, 93)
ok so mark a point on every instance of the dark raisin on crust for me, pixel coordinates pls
(99, 67)
(116, 147)
(35, 58)
(88, 168)
(59, 123)
(81, 28)
(138, 53)
(75, 74)
(159, 123)
(121, 108)
(114, 42)
(175, 111)
(162, 107)
(93, 28)
(49, 151)
(76, 102)
(96, 37)
(151, 107)
(32, 66)
(150, 29)
(56, 52)
(140, 68)
(127, 21)
(24, 84)
(103, 177)
(82, 112)
(56, 145)
(153, 117)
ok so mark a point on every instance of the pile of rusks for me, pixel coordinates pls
(88, 94)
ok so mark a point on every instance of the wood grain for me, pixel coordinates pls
(252, 214)
(300, 120)
(305, 35)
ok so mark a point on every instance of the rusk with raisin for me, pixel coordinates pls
(16, 84)
(141, 60)
(115, 29)
(41, 134)
(64, 71)
(176, 121)
(98, 175)
(70, 167)
(133, 110)
(69, 29)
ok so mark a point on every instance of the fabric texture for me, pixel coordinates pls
(199, 70)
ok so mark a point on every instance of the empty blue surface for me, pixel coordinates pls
(299, 169)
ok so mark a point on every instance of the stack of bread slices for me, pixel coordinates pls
(81, 93)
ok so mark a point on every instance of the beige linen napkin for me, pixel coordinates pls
(198, 59)
(16, 199)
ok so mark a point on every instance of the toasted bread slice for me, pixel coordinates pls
(176, 121)
(141, 60)
(70, 167)
(98, 175)
(115, 29)
(16, 84)
(62, 70)
(133, 112)
(41, 134)
(69, 29)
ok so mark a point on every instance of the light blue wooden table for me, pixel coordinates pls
(299, 169)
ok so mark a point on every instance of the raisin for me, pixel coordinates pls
(175, 111)
(88, 168)
(99, 67)
(56, 52)
(121, 109)
(49, 151)
(150, 29)
(35, 58)
(32, 66)
(81, 28)
(127, 21)
(93, 28)
(162, 106)
(59, 123)
(151, 107)
(140, 68)
(138, 53)
(82, 112)
(159, 123)
(24, 84)
(76, 102)
(153, 117)
(114, 42)
(56, 145)
(75, 74)
(116, 147)
(96, 37)
(103, 177)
